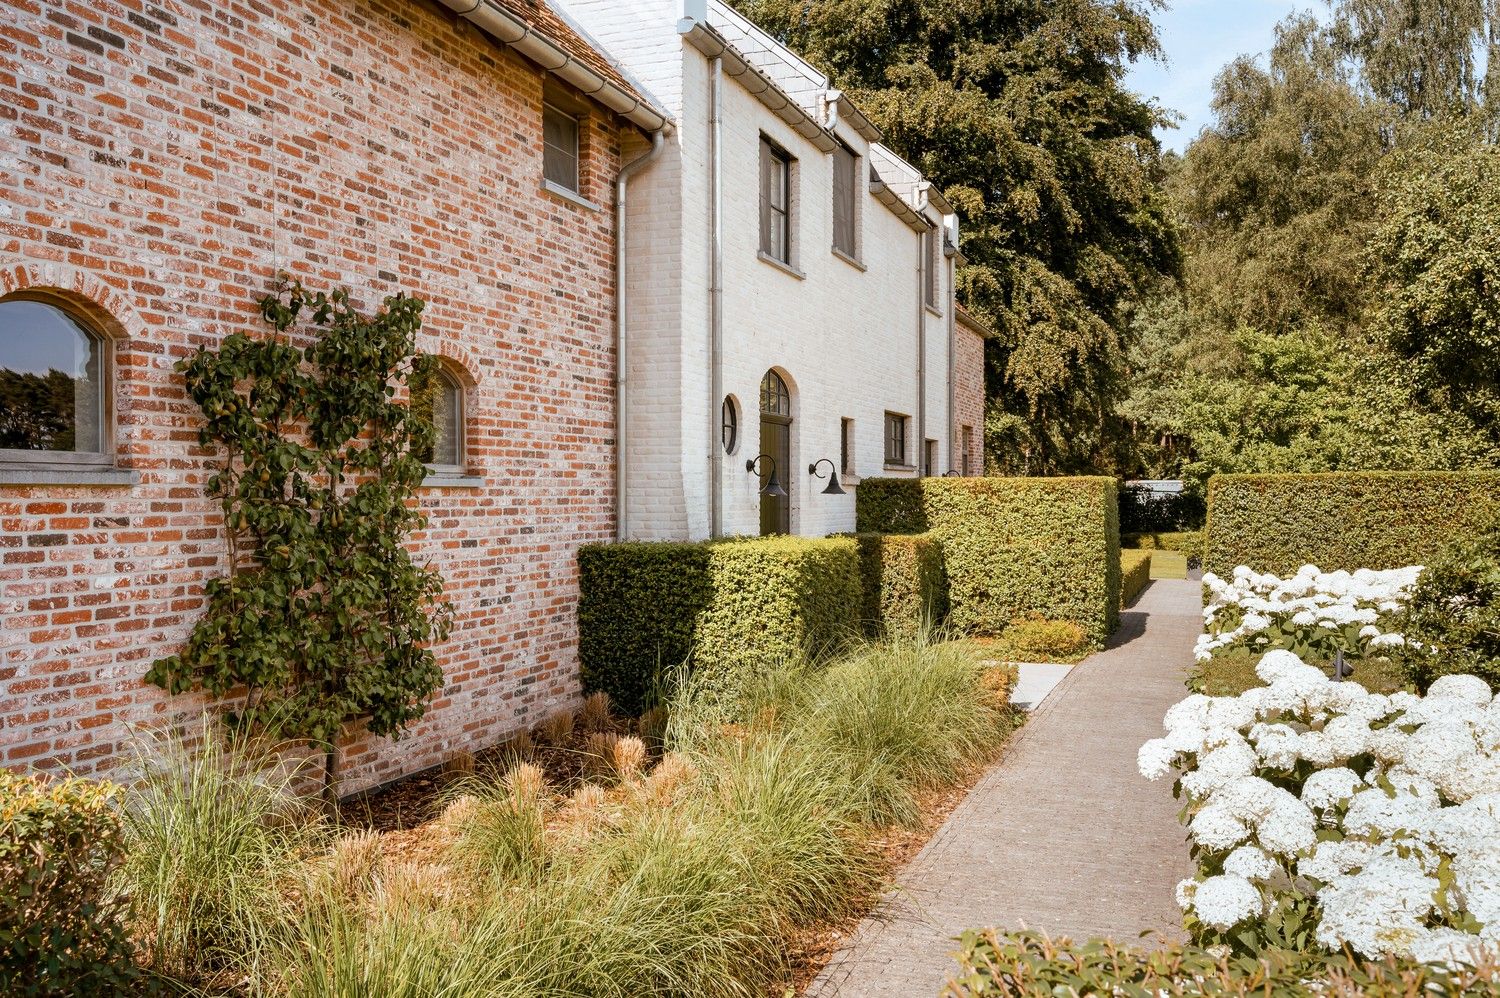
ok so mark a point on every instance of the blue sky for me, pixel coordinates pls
(1200, 36)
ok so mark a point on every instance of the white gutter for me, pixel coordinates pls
(622, 358)
(715, 297)
(764, 89)
(545, 52)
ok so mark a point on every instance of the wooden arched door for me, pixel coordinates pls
(776, 441)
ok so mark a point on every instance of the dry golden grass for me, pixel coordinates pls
(595, 714)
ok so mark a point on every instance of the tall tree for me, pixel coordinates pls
(1016, 109)
(1278, 193)
(1426, 58)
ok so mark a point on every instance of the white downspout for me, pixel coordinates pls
(922, 337)
(953, 442)
(715, 298)
(622, 358)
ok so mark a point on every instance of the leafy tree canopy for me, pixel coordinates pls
(1016, 110)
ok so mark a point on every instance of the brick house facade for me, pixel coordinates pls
(968, 393)
(835, 337)
(162, 161)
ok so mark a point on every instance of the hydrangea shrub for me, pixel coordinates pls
(1318, 809)
(1313, 614)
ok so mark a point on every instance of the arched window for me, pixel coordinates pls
(54, 385)
(441, 399)
(775, 400)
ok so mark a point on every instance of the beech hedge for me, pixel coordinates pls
(1135, 572)
(1348, 520)
(646, 608)
(1012, 546)
(904, 583)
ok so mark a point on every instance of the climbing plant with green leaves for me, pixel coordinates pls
(323, 617)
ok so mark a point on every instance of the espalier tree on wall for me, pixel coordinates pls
(323, 617)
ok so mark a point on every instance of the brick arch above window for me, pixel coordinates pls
(104, 306)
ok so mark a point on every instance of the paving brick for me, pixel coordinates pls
(1063, 835)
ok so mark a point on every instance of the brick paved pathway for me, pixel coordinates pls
(1062, 835)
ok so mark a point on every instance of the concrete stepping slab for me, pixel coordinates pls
(1034, 681)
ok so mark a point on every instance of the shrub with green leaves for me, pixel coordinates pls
(323, 617)
(60, 928)
(905, 583)
(1342, 520)
(1452, 623)
(1012, 545)
(1188, 542)
(1029, 963)
(647, 608)
(1034, 637)
(1135, 572)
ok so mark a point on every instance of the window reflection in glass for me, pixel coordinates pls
(51, 386)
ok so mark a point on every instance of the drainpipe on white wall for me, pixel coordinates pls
(622, 358)
(922, 334)
(715, 298)
(953, 442)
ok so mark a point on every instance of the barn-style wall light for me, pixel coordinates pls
(834, 488)
(772, 487)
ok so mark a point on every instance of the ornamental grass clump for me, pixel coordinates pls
(1325, 815)
(1314, 614)
(216, 837)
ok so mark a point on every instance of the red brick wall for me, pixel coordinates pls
(968, 397)
(161, 161)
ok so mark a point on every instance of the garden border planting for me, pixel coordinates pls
(904, 581)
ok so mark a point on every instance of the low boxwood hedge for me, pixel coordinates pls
(1012, 546)
(1188, 542)
(648, 607)
(1135, 572)
(905, 585)
(1348, 520)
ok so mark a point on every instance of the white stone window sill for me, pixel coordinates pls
(780, 265)
(572, 197)
(933, 311)
(852, 261)
(901, 467)
(452, 480)
(63, 475)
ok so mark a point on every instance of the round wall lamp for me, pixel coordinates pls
(834, 488)
(772, 487)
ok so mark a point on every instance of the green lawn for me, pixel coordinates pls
(1230, 675)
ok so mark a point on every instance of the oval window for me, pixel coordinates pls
(729, 429)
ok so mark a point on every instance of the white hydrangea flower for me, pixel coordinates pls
(1252, 863)
(1288, 830)
(1156, 759)
(1332, 859)
(1329, 787)
(1448, 947)
(1470, 689)
(1388, 744)
(1216, 827)
(1273, 664)
(1373, 812)
(1226, 900)
(1380, 910)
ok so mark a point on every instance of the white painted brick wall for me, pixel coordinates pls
(846, 340)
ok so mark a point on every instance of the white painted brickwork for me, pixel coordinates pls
(845, 339)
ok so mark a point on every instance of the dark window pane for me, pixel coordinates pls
(844, 172)
(729, 430)
(560, 148)
(440, 401)
(775, 202)
(775, 399)
(51, 386)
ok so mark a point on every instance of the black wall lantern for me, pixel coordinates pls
(834, 488)
(772, 487)
(952, 473)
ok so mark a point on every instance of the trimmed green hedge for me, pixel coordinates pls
(1188, 542)
(649, 607)
(1135, 572)
(1348, 520)
(905, 585)
(1012, 546)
